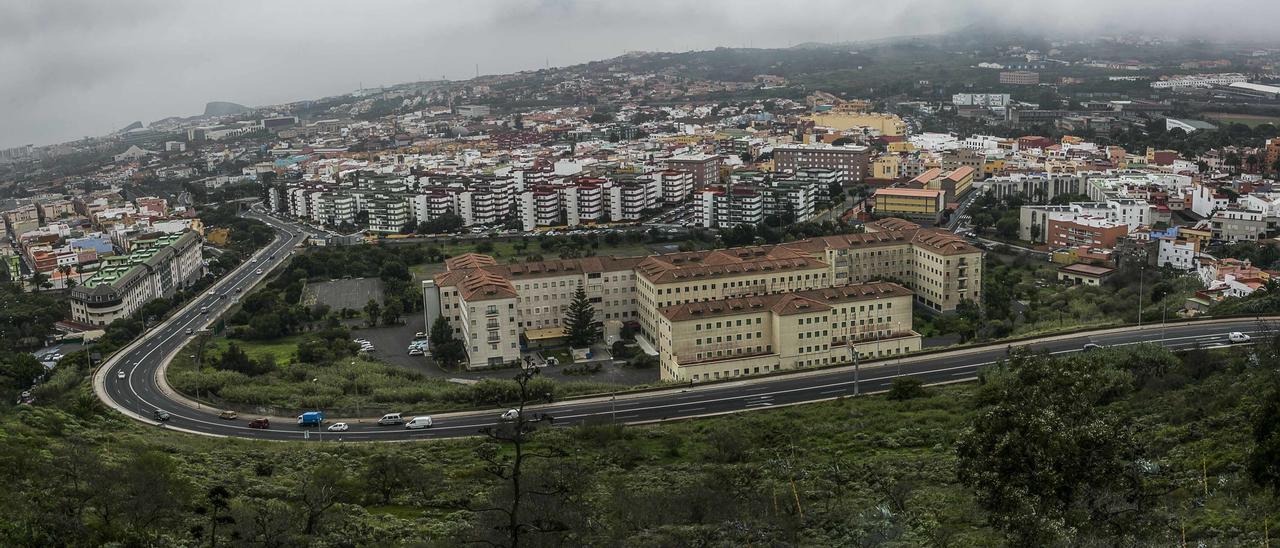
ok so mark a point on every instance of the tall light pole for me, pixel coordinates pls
(1141, 270)
(1164, 315)
(357, 382)
(853, 354)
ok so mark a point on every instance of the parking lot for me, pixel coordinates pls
(391, 346)
(351, 293)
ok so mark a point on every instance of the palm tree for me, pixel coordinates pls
(65, 270)
(38, 279)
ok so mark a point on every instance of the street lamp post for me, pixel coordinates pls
(1164, 315)
(613, 404)
(1141, 271)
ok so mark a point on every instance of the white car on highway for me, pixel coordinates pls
(338, 427)
(1238, 337)
(120, 374)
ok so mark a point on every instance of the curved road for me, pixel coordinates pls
(139, 392)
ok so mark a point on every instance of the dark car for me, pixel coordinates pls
(259, 423)
(160, 415)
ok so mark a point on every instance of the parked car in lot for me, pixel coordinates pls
(259, 423)
(1238, 337)
(338, 427)
(418, 422)
(390, 419)
(228, 415)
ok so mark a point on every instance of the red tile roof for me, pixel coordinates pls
(786, 304)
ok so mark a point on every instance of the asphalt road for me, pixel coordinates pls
(139, 393)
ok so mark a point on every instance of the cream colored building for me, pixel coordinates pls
(938, 269)
(727, 338)
(883, 124)
(530, 298)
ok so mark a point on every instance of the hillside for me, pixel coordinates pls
(222, 108)
(1109, 448)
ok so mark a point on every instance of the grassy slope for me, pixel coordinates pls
(861, 471)
(340, 388)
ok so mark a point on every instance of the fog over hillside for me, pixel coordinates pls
(79, 67)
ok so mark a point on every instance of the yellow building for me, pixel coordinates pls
(899, 147)
(886, 166)
(728, 338)
(993, 167)
(884, 124)
(922, 204)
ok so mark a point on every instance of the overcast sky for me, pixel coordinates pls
(75, 68)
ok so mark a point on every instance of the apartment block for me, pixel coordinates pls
(920, 204)
(1021, 78)
(1238, 225)
(721, 207)
(853, 161)
(677, 186)
(704, 169)
(1085, 231)
(154, 269)
(540, 206)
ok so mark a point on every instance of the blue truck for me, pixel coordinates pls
(311, 418)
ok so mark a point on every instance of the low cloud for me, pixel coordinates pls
(80, 67)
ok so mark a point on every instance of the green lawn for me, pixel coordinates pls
(1251, 120)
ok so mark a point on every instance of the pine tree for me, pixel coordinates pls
(441, 333)
(579, 321)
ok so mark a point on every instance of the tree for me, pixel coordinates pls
(372, 310)
(1264, 458)
(391, 314)
(907, 388)
(19, 370)
(1007, 228)
(440, 333)
(580, 320)
(217, 508)
(320, 488)
(39, 280)
(1045, 458)
(385, 476)
(517, 520)
(445, 350)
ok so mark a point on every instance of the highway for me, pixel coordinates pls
(140, 391)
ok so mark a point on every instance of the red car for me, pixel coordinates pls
(259, 423)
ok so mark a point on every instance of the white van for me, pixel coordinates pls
(390, 419)
(418, 422)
